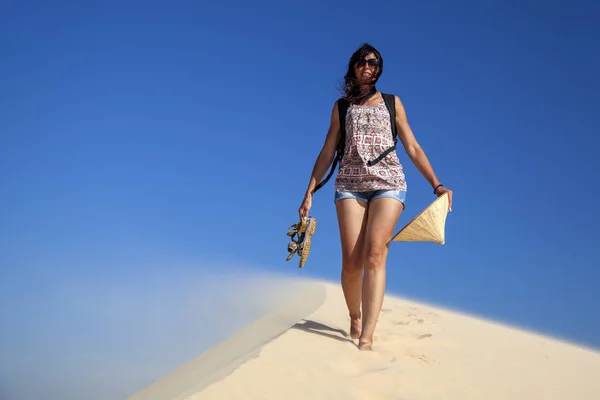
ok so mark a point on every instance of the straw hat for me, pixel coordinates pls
(428, 226)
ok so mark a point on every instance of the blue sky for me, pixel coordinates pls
(142, 139)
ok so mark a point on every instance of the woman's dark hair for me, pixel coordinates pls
(350, 88)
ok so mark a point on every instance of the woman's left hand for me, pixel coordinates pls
(441, 190)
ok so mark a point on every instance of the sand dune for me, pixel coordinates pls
(420, 353)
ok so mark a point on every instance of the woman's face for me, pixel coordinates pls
(366, 68)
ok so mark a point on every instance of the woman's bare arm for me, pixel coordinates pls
(412, 147)
(414, 150)
(327, 152)
(323, 161)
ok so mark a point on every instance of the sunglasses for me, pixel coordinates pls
(372, 62)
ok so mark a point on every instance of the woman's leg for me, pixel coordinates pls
(382, 218)
(352, 215)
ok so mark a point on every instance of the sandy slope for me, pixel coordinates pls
(420, 353)
(302, 298)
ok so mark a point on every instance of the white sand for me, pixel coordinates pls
(420, 352)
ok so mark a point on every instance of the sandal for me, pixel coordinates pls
(301, 246)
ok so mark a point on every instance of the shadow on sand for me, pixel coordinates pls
(321, 329)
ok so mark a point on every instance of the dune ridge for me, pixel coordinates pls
(421, 352)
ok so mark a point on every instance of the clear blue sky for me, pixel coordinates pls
(145, 138)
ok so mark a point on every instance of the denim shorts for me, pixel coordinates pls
(366, 197)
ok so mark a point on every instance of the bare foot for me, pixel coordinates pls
(355, 328)
(364, 345)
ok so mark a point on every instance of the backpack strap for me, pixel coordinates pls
(342, 110)
(390, 103)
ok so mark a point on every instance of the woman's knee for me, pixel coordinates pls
(352, 263)
(375, 255)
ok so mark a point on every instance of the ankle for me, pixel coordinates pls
(364, 339)
(355, 316)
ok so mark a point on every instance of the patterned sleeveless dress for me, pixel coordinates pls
(368, 134)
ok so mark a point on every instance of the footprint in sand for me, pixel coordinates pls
(421, 357)
(418, 321)
(424, 358)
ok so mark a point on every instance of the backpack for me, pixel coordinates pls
(342, 110)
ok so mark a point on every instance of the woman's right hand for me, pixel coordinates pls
(305, 207)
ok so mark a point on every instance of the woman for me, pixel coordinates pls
(368, 199)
